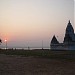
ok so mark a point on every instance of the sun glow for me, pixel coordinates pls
(5, 40)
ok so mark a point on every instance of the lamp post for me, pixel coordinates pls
(42, 44)
(6, 43)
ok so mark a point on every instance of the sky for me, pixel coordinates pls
(29, 22)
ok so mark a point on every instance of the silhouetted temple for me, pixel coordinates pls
(69, 40)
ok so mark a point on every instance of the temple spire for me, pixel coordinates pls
(54, 40)
(69, 22)
(69, 28)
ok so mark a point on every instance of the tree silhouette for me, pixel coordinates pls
(0, 41)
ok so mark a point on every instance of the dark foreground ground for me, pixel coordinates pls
(37, 62)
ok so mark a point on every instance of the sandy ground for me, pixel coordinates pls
(17, 65)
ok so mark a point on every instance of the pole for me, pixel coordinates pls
(6, 43)
(42, 44)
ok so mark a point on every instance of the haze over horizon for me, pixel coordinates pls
(29, 22)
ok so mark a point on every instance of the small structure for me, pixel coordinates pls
(69, 40)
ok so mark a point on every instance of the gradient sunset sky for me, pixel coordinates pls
(29, 22)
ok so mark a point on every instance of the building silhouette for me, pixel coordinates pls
(69, 40)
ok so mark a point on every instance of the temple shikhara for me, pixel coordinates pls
(69, 40)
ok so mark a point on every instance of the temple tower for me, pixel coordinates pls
(69, 34)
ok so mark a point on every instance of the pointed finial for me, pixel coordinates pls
(69, 21)
(54, 35)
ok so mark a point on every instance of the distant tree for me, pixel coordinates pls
(0, 41)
